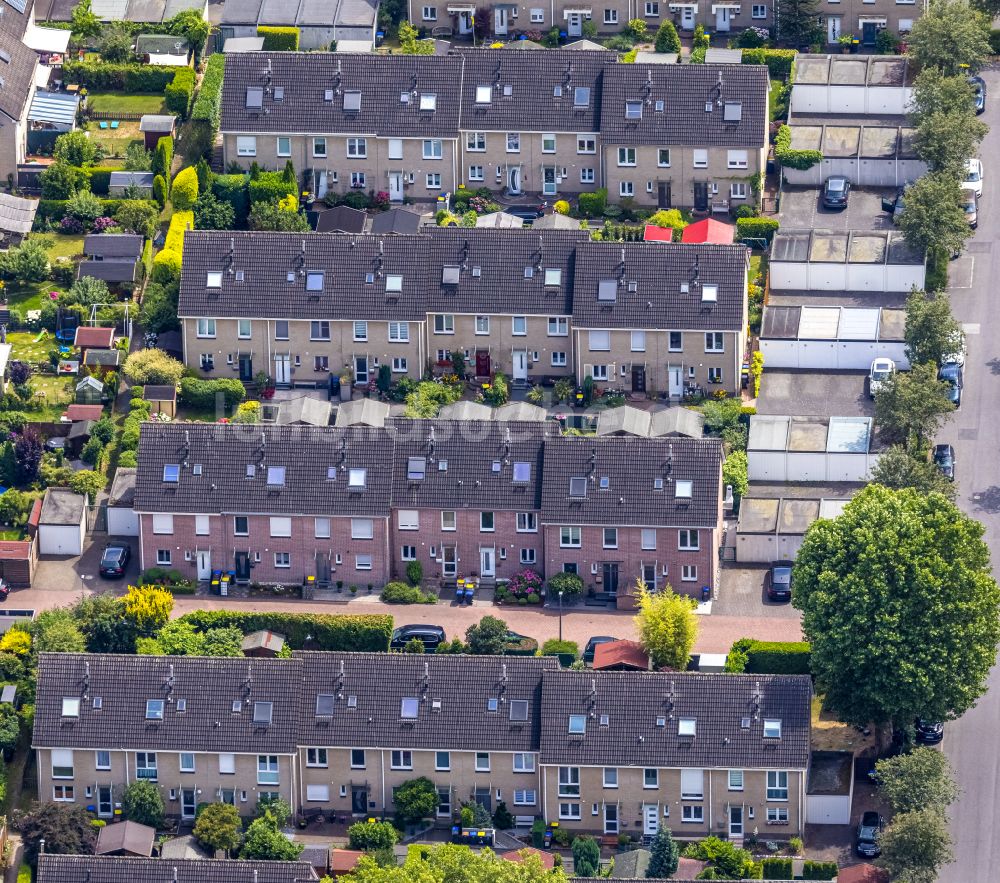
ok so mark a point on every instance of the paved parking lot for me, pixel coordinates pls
(741, 593)
(801, 210)
(812, 394)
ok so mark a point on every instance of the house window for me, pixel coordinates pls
(675, 342)
(444, 323)
(246, 145)
(626, 156)
(361, 331)
(358, 180)
(486, 522)
(357, 758)
(663, 157)
(611, 16)
(102, 760)
(281, 329)
(186, 762)
(281, 526)
(652, 10)
(715, 375)
(63, 793)
(241, 526)
(482, 762)
(558, 326)
(736, 780)
(207, 362)
(475, 141)
(527, 522)
(401, 760)
(569, 537)
(649, 539)
(524, 762)
(447, 520)
(700, 159)
(409, 553)
(145, 765)
(318, 793)
(758, 10)
(569, 811)
(736, 159)
(715, 342)
(537, 16)
(650, 778)
(357, 148)
(548, 143)
(777, 785)
(626, 188)
(282, 559)
(610, 777)
(692, 784)
(356, 478)
(599, 341)
(362, 528)
(638, 341)
(433, 148)
(519, 326)
(395, 148)
(62, 763)
(577, 724)
(587, 176)
(399, 365)
(429, 13)
(399, 332)
(244, 328)
(319, 147)
(777, 815)
(692, 814)
(524, 797)
(687, 540)
(476, 173)
(433, 180)
(163, 557)
(586, 144)
(442, 760)
(408, 519)
(611, 538)
(206, 328)
(569, 781)
(316, 757)
(738, 190)
(689, 573)
(513, 142)
(362, 562)
(319, 330)
(599, 372)
(321, 363)
(267, 769)
(528, 556)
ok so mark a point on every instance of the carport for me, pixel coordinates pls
(772, 528)
(815, 449)
(835, 84)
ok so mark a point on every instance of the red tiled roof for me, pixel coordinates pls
(36, 513)
(710, 231)
(97, 337)
(344, 860)
(620, 653)
(653, 233)
(519, 855)
(83, 412)
(14, 550)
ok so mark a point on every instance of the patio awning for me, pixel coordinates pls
(873, 19)
(568, 12)
(717, 6)
(460, 7)
(46, 39)
(692, 6)
(56, 108)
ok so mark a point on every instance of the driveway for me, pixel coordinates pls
(812, 394)
(801, 209)
(742, 595)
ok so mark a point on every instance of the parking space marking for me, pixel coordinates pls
(962, 272)
(970, 327)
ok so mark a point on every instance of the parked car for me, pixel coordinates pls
(114, 560)
(958, 355)
(944, 459)
(970, 205)
(974, 177)
(894, 206)
(952, 374)
(882, 369)
(430, 635)
(836, 191)
(978, 93)
(778, 581)
(929, 732)
(588, 651)
(869, 833)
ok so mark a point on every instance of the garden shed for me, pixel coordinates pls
(155, 126)
(122, 518)
(93, 337)
(125, 838)
(142, 181)
(102, 360)
(362, 412)
(163, 399)
(824, 449)
(262, 643)
(62, 525)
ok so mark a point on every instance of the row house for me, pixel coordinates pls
(553, 124)
(302, 307)
(274, 504)
(626, 510)
(201, 729)
(597, 752)
(537, 306)
(685, 135)
(864, 19)
(116, 868)
(346, 121)
(291, 505)
(609, 17)
(661, 321)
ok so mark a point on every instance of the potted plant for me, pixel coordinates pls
(346, 383)
(845, 41)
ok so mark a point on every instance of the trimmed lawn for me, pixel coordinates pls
(52, 394)
(754, 270)
(62, 250)
(60, 245)
(25, 349)
(114, 141)
(116, 102)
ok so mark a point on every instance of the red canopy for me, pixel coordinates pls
(708, 231)
(658, 234)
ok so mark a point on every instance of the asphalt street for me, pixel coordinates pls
(971, 742)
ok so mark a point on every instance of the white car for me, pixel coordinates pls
(974, 177)
(958, 356)
(882, 370)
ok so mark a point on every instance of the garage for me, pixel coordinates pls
(820, 449)
(62, 526)
(123, 521)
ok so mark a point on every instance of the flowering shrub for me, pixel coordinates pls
(525, 583)
(70, 225)
(102, 225)
(483, 206)
(380, 200)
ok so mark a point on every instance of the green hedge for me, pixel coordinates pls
(205, 112)
(180, 92)
(401, 593)
(234, 190)
(756, 228)
(102, 76)
(270, 187)
(780, 62)
(329, 631)
(776, 868)
(819, 870)
(100, 178)
(201, 393)
(55, 209)
(770, 657)
(279, 39)
(794, 159)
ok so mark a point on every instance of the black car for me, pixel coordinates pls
(944, 459)
(430, 635)
(114, 560)
(526, 213)
(894, 206)
(778, 581)
(978, 94)
(836, 190)
(869, 832)
(929, 732)
(951, 373)
(588, 651)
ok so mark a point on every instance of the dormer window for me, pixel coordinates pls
(171, 473)
(633, 110)
(262, 712)
(409, 708)
(709, 293)
(71, 706)
(394, 284)
(578, 487)
(314, 281)
(683, 489)
(577, 724)
(522, 472)
(772, 729)
(275, 476)
(687, 726)
(356, 478)
(213, 280)
(428, 101)
(484, 94)
(154, 709)
(352, 101)
(553, 276)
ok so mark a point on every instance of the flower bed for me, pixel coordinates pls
(523, 588)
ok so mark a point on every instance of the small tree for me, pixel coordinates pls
(918, 780)
(55, 631)
(916, 846)
(271, 216)
(148, 608)
(932, 332)
(213, 214)
(143, 803)
(932, 215)
(952, 36)
(60, 181)
(265, 841)
(27, 456)
(735, 472)
(488, 637)
(137, 158)
(87, 482)
(218, 826)
(911, 407)
(586, 857)
(371, 836)
(797, 23)
(65, 829)
(89, 290)
(184, 191)
(10, 727)
(152, 366)
(28, 263)
(668, 626)
(503, 820)
(415, 799)
(116, 42)
(76, 149)
(667, 39)
(13, 506)
(664, 855)
(136, 216)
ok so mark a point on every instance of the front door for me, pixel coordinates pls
(549, 180)
(319, 183)
(610, 818)
(500, 20)
(722, 18)
(484, 798)
(465, 22)
(609, 572)
(449, 562)
(246, 368)
(360, 369)
(520, 370)
(868, 32)
(204, 564)
(650, 819)
(663, 194)
(282, 370)
(359, 800)
(241, 565)
(736, 821)
(482, 363)
(514, 180)
(395, 186)
(638, 378)
(687, 18)
(189, 803)
(675, 380)
(104, 807)
(322, 568)
(487, 562)
(832, 28)
(701, 196)
(574, 24)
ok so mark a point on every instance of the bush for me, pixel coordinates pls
(756, 228)
(779, 61)
(586, 857)
(819, 870)
(667, 39)
(202, 394)
(61, 181)
(777, 868)
(160, 191)
(233, 189)
(163, 157)
(592, 205)
(555, 647)
(167, 264)
(371, 836)
(279, 39)
(414, 573)
(570, 584)
(180, 92)
(184, 191)
(794, 159)
(101, 76)
(770, 657)
(151, 366)
(271, 187)
(358, 634)
(401, 593)
(561, 207)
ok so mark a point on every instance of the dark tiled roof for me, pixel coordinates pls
(341, 219)
(265, 259)
(307, 77)
(209, 686)
(685, 91)
(396, 220)
(14, 21)
(469, 448)
(532, 79)
(18, 73)
(108, 869)
(660, 272)
(504, 259)
(113, 245)
(633, 701)
(632, 467)
(109, 271)
(380, 681)
(225, 451)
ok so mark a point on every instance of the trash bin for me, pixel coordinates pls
(706, 593)
(334, 392)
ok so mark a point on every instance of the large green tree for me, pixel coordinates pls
(918, 780)
(668, 626)
(916, 846)
(947, 135)
(265, 841)
(931, 214)
(66, 830)
(931, 331)
(898, 468)
(911, 406)
(797, 23)
(934, 90)
(218, 826)
(143, 803)
(898, 570)
(952, 36)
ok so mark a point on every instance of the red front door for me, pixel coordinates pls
(482, 363)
